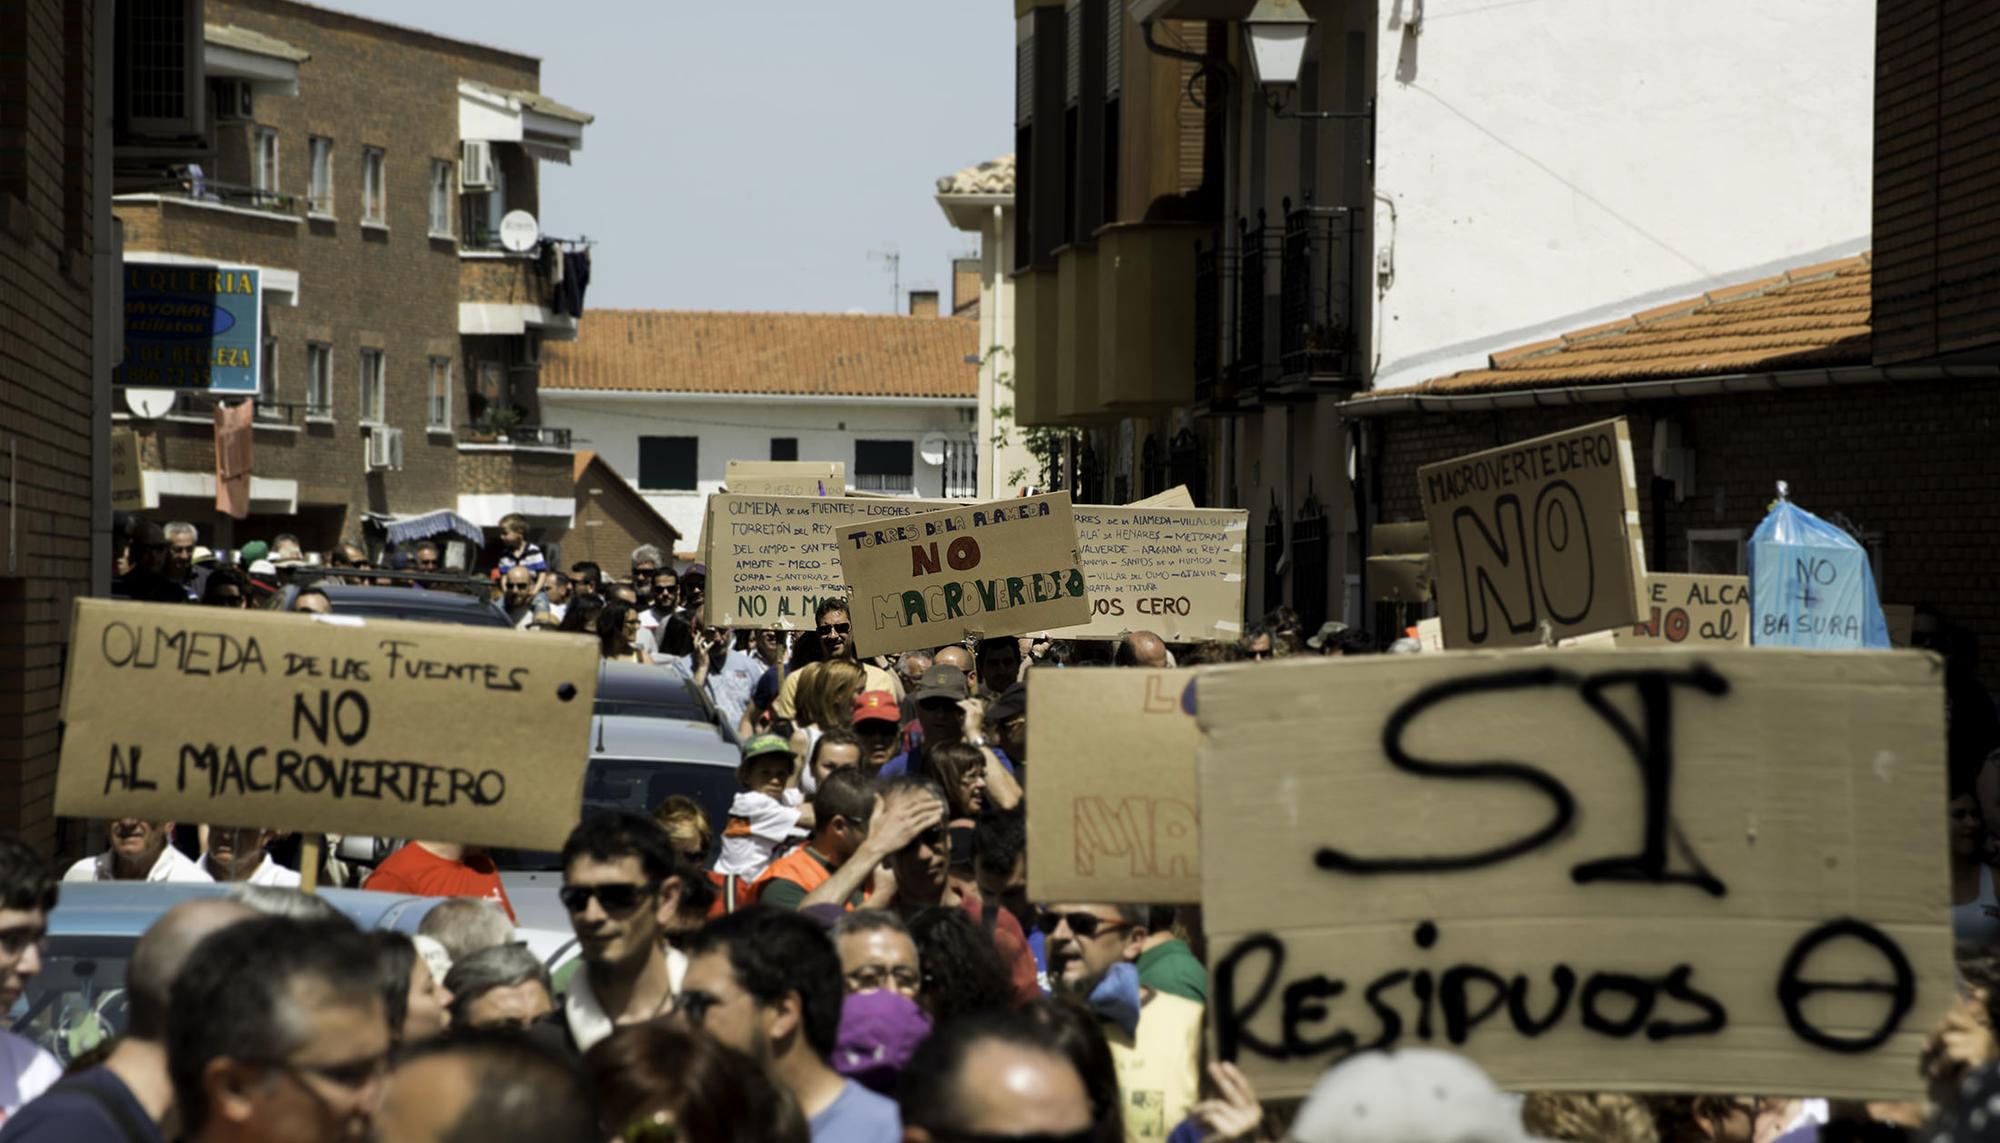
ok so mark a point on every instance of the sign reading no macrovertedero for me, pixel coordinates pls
(999, 568)
(283, 721)
(1627, 870)
(192, 327)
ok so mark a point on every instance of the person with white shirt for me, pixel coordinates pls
(139, 851)
(27, 897)
(621, 888)
(238, 853)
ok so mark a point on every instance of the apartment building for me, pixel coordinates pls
(374, 189)
(980, 200)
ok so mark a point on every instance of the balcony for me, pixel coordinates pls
(529, 473)
(1316, 342)
(1253, 370)
(504, 294)
(1035, 353)
(1212, 392)
(522, 436)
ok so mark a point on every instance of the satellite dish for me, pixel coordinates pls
(149, 404)
(931, 448)
(519, 231)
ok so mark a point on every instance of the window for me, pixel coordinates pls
(1717, 551)
(267, 164)
(374, 388)
(267, 374)
(374, 206)
(440, 198)
(320, 193)
(784, 448)
(439, 416)
(668, 463)
(319, 380)
(885, 466)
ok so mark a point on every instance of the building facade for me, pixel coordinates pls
(669, 398)
(980, 200)
(363, 169)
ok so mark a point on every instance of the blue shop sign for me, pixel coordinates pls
(192, 327)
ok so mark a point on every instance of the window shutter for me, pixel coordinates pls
(1073, 58)
(1114, 48)
(1024, 70)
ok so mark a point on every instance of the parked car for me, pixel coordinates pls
(78, 999)
(654, 692)
(371, 602)
(635, 763)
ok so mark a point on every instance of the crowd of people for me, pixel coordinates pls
(849, 953)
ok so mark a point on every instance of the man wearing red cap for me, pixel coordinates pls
(877, 721)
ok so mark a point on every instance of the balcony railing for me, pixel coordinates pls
(1316, 343)
(539, 436)
(1207, 322)
(1253, 367)
(200, 403)
(202, 189)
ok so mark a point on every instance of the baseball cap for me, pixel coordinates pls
(263, 567)
(877, 706)
(1417, 1095)
(1326, 633)
(202, 555)
(1012, 704)
(764, 744)
(253, 551)
(879, 1033)
(942, 681)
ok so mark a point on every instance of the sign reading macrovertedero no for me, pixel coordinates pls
(1174, 571)
(1600, 870)
(1112, 799)
(1691, 610)
(1542, 531)
(998, 568)
(274, 719)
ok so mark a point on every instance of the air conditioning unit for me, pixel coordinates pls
(232, 100)
(475, 165)
(385, 448)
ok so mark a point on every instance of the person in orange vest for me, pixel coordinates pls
(841, 811)
(763, 816)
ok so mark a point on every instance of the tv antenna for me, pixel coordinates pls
(888, 253)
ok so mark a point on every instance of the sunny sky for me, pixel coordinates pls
(750, 155)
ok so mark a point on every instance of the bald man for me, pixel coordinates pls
(132, 1082)
(1143, 649)
(954, 655)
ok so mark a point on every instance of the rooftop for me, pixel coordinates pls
(835, 355)
(994, 176)
(256, 43)
(1812, 317)
(533, 101)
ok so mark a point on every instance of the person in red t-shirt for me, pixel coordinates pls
(441, 869)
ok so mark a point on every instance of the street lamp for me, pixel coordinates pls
(1278, 30)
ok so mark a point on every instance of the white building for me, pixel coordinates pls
(980, 200)
(669, 398)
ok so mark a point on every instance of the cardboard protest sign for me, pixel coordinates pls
(128, 489)
(1111, 795)
(1430, 634)
(1592, 870)
(1174, 571)
(249, 718)
(1541, 531)
(1811, 586)
(998, 568)
(1399, 571)
(786, 477)
(1695, 610)
(1176, 497)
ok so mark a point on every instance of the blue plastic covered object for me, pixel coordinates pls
(1810, 585)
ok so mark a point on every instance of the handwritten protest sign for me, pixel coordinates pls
(1811, 585)
(1539, 531)
(128, 489)
(1176, 497)
(1175, 571)
(997, 568)
(1112, 792)
(1595, 870)
(787, 477)
(271, 719)
(1692, 610)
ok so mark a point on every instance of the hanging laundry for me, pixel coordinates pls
(232, 457)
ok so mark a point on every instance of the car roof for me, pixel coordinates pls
(643, 689)
(660, 740)
(127, 908)
(410, 603)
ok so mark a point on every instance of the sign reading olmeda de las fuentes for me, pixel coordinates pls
(192, 327)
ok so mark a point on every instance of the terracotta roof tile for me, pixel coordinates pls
(1810, 317)
(848, 355)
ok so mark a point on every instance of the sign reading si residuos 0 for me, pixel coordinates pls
(1539, 531)
(1174, 571)
(998, 568)
(192, 327)
(1596, 870)
(274, 719)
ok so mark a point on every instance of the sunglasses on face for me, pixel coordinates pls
(834, 628)
(1084, 925)
(933, 837)
(617, 899)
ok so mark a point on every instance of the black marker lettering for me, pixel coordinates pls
(1793, 990)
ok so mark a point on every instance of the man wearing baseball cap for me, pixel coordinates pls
(944, 713)
(877, 721)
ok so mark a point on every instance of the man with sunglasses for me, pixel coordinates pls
(1155, 1037)
(148, 581)
(621, 888)
(836, 640)
(277, 1032)
(768, 983)
(992, 1078)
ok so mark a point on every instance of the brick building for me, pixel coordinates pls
(364, 169)
(612, 519)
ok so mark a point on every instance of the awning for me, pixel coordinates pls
(403, 529)
(269, 64)
(542, 127)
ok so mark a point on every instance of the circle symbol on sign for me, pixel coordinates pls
(1793, 990)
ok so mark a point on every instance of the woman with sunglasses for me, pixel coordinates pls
(618, 632)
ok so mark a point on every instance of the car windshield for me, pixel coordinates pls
(77, 1001)
(637, 785)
